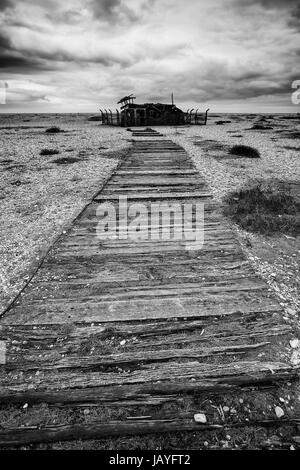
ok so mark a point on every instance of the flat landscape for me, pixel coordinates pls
(39, 196)
(178, 348)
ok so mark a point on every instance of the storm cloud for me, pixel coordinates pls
(5, 4)
(82, 54)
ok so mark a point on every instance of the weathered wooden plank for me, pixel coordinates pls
(101, 430)
(173, 257)
(144, 189)
(88, 311)
(162, 195)
(212, 237)
(110, 292)
(125, 358)
(109, 281)
(92, 246)
(159, 180)
(235, 326)
(171, 172)
(210, 229)
(146, 373)
(128, 273)
(147, 392)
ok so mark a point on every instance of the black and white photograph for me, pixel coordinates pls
(149, 228)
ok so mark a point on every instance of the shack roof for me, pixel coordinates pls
(157, 106)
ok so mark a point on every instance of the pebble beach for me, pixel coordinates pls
(40, 197)
(41, 194)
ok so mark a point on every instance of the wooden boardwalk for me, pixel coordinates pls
(145, 326)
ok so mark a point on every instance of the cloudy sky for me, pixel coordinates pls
(79, 55)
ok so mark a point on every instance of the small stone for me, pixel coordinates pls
(233, 411)
(226, 408)
(200, 418)
(295, 343)
(291, 311)
(295, 358)
(25, 406)
(205, 443)
(123, 342)
(86, 411)
(241, 400)
(279, 412)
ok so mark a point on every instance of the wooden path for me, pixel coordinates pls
(148, 329)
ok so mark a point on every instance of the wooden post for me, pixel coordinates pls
(187, 116)
(111, 118)
(190, 119)
(206, 115)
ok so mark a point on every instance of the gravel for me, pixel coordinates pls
(225, 174)
(39, 197)
(276, 259)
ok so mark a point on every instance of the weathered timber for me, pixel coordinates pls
(92, 362)
(146, 373)
(98, 430)
(161, 391)
(168, 196)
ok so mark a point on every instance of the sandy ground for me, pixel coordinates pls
(40, 197)
(277, 258)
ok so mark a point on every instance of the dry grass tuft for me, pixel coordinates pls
(66, 160)
(261, 127)
(264, 208)
(244, 151)
(49, 152)
(53, 130)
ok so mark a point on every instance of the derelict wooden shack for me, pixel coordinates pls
(150, 114)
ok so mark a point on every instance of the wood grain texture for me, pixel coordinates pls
(143, 322)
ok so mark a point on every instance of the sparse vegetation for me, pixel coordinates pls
(66, 160)
(95, 118)
(293, 135)
(291, 147)
(244, 151)
(264, 208)
(261, 127)
(53, 130)
(290, 117)
(49, 152)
